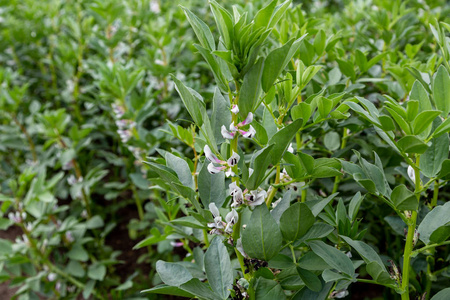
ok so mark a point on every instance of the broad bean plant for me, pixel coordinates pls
(274, 198)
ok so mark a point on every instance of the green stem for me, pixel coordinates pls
(274, 189)
(430, 258)
(138, 202)
(410, 237)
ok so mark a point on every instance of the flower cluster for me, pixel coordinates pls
(224, 165)
(251, 198)
(234, 129)
(219, 226)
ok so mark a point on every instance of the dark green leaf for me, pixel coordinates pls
(218, 268)
(296, 221)
(261, 238)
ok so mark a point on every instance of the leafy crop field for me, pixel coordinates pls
(194, 149)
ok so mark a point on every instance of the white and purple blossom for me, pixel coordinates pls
(235, 109)
(255, 198)
(248, 134)
(236, 193)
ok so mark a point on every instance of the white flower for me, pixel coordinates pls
(214, 170)
(235, 109)
(290, 149)
(154, 7)
(226, 134)
(233, 128)
(218, 223)
(256, 198)
(248, 134)
(412, 174)
(69, 236)
(211, 156)
(51, 277)
(231, 219)
(236, 193)
(247, 120)
(229, 172)
(234, 159)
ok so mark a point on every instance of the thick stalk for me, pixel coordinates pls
(430, 258)
(410, 237)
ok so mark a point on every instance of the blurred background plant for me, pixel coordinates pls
(86, 96)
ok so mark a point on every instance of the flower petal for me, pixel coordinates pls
(214, 170)
(211, 156)
(214, 210)
(235, 109)
(226, 134)
(248, 134)
(234, 159)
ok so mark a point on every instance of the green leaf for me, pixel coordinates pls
(307, 162)
(332, 256)
(262, 17)
(347, 68)
(324, 106)
(281, 207)
(443, 128)
(260, 164)
(201, 30)
(317, 231)
(181, 168)
(332, 141)
(419, 93)
(78, 253)
(377, 269)
(224, 22)
(301, 111)
(282, 139)
(215, 66)
(74, 268)
(5, 247)
(412, 109)
(277, 60)
(192, 104)
(164, 289)
(424, 120)
(218, 268)
(400, 120)
(221, 115)
(97, 272)
(172, 274)
(404, 199)
(261, 238)
(387, 124)
(296, 221)
(445, 170)
(436, 218)
(354, 205)
(411, 144)
(199, 289)
(95, 222)
(442, 295)
(310, 279)
(211, 187)
(267, 289)
(188, 221)
(320, 42)
(441, 91)
(250, 89)
(431, 161)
